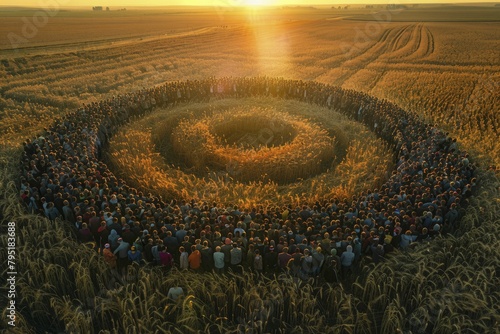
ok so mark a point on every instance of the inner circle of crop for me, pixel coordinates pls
(253, 128)
(243, 139)
(249, 151)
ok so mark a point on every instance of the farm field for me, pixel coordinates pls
(440, 63)
(428, 59)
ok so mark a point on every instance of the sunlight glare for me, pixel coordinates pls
(256, 2)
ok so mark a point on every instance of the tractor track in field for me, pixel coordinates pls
(386, 41)
(394, 44)
(430, 42)
(401, 44)
(422, 44)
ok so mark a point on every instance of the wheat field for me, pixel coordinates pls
(439, 63)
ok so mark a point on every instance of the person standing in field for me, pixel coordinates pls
(166, 259)
(103, 234)
(307, 263)
(250, 256)
(94, 224)
(183, 259)
(84, 234)
(194, 259)
(113, 239)
(295, 262)
(122, 253)
(258, 262)
(175, 292)
(236, 257)
(226, 249)
(283, 259)
(134, 255)
(109, 257)
(271, 260)
(68, 212)
(156, 250)
(318, 259)
(331, 267)
(218, 260)
(347, 260)
(206, 257)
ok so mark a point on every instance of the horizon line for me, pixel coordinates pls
(271, 5)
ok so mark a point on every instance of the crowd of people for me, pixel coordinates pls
(63, 176)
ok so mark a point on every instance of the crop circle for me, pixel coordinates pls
(249, 151)
(245, 140)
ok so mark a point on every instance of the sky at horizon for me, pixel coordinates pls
(124, 3)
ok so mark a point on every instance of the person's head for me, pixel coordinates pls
(217, 249)
(349, 248)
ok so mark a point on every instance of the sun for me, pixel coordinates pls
(256, 2)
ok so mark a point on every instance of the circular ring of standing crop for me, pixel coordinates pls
(244, 140)
(249, 151)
